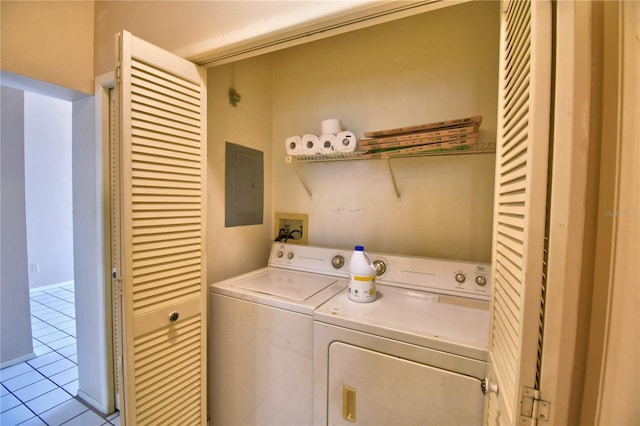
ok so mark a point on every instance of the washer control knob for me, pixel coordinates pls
(481, 280)
(290, 255)
(460, 277)
(337, 261)
(381, 267)
(280, 254)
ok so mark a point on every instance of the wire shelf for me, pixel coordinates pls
(483, 148)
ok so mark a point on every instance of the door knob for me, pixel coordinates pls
(173, 316)
(487, 387)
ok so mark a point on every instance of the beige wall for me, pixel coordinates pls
(67, 43)
(167, 24)
(50, 41)
(404, 72)
(429, 67)
(240, 249)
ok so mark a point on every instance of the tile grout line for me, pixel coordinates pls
(64, 299)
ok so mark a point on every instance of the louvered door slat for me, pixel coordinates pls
(173, 172)
(165, 139)
(145, 80)
(165, 200)
(517, 52)
(163, 244)
(149, 286)
(508, 266)
(157, 107)
(168, 232)
(516, 23)
(142, 115)
(145, 273)
(520, 203)
(171, 364)
(509, 219)
(159, 96)
(160, 149)
(503, 335)
(168, 184)
(510, 300)
(149, 147)
(513, 233)
(163, 257)
(164, 176)
(517, 66)
(513, 22)
(169, 116)
(514, 99)
(179, 290)
(173, 371)
(150, 190)
(173, 84)
(159, 273)
(514, 151)
(166, 237)
(516, 122)
(142, 127)
(509, 243)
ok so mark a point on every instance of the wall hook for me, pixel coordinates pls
(234, 97)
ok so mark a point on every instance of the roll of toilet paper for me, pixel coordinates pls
(326, 143)
(331, 126)
(294, 145)
(310, 144)
(345, 142)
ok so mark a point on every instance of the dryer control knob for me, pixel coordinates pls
(460, 277)
(280, 254)
(481, 280)
(381, 267)
(290, 255)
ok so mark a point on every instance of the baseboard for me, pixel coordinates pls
(93, 403)
(18, 360)
(50, 286)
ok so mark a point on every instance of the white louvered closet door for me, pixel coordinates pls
(162, 235)
(520, 207)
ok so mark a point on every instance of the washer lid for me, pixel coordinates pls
(285, 284)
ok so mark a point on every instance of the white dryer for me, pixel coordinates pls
(261, 336)
(414, 356)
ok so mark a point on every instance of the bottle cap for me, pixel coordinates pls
(358, 248)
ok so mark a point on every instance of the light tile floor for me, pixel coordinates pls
(42, 391)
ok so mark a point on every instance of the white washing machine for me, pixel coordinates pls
(414, 356)
(261, 336)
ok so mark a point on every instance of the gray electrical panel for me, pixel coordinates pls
(244, 186)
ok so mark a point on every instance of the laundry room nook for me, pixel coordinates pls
(232, 268)
(434, 66)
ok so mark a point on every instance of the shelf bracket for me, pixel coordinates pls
(300, 175)
(393, 179)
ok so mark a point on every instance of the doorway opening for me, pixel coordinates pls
(87, 283)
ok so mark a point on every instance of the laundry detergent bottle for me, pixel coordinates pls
(362, 287)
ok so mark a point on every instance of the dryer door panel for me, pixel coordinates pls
(367, 387)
